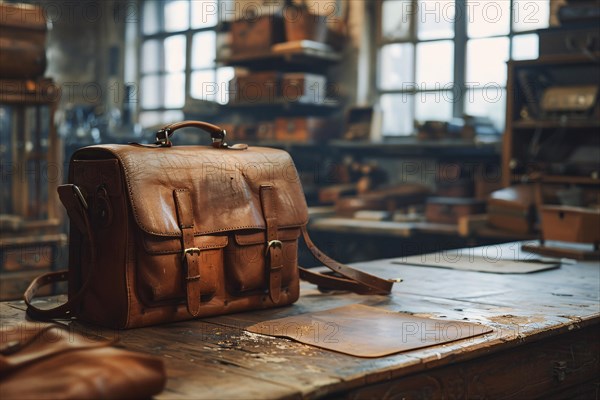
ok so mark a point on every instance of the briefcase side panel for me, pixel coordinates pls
(105, 302)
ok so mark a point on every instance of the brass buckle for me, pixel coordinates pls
(190, 250)
(273, 243)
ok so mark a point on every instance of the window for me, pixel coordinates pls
(439, 59)
(177, 60)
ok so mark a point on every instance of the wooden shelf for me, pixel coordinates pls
(566, 179)
(550, 124)
(280, 105)
(306, 59)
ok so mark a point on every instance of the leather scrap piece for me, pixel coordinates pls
(368, 332)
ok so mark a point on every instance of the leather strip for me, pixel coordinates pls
(353, 280)
(191, 255)
(274, 247)
(79, 216)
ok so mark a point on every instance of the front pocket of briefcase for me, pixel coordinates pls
(246, 266)
(161, 269)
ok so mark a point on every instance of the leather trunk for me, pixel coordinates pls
(256, 34)
(303, 87)
(304, 129)
(448, 210)
(513, 209)
(257, 87)
(570, 224)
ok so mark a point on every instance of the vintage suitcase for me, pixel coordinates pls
(389, 199)
(257, 87)
(303, 87)
(448, 210)
(162, 233)
(256, 34)
(570, 224)
(302, 24)
(513, 208)
(304, 129)
(22, 41)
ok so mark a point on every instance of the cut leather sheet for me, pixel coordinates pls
(369, 332)
(469, 262)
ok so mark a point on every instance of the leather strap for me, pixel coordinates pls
(191, 254)
(73, 200)
(352, 279)
(274, 250)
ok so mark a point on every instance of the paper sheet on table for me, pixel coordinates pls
(475, 259)
(365, 331)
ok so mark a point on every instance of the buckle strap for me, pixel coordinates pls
(74, 202)
(190, 254)
(274, 250)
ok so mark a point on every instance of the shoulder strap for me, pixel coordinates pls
(351, 279)
(74, 202)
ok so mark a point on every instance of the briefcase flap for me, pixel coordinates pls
(224, 185)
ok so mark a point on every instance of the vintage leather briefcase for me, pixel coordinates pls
(162, 233)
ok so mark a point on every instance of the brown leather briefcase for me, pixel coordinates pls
(162, 233)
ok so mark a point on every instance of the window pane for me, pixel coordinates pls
(397, 112)
(396, 66)
(175, 90)
(433, 106)
(488, 17)
(175, 53)
(395, 19)
(150, 18)
(530, 14)
(177, 16)
(489, 102)
(204, 13)
(486, 61)
(435, 64)
(160, 118)
(224, 75)
(204, 50)
(150, 91)
(525, 47)
(435, 19)
(150, 61)
(204, 86)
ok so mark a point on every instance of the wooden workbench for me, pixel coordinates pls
(545, 342)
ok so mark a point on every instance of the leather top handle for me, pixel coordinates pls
(163, 136)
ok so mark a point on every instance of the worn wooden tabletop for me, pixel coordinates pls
(216, 358)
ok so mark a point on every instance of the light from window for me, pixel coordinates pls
(486, 61)
(435, 19)
(176, 16)
(530, 14)
(396, 19)
(397, 112)
(150, 90)
(435, 64)
(204, 13)
(488, 18)
(175, 90)
(489, 102)
(150, 23)
(175, 53)
(525, 47)
(150, 56)
(204, 50)
(433, 106)
(396, 66)
(203, 85)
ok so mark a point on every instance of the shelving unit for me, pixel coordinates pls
(31, 238)
(562, 132)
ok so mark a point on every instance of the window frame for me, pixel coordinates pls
(460, 40)
(162, 35)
